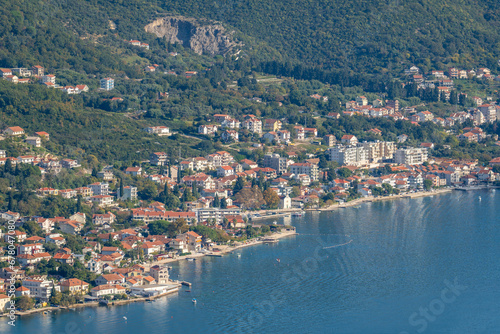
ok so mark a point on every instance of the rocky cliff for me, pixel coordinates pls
(203, 38)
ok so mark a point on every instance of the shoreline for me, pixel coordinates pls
(222, 252)
(369, 199)
(96, 304)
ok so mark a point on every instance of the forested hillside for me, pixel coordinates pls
(366, 36)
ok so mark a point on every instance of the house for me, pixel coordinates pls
(107, 84)
(37, 70)
(365, 192)
(70, 226)
(64, 258)
(69, 163)
(248, 164)
(192, 240)
(224, 171)
(361, 100)
(110, 279)
(305, 168)
(207, 129)
(34, 141)
(74, 286)
(329, 140)
(311, 132)
(349, 139)
(82, 88)
(99, 188)
(104, 218)
(158, 158)
(4, 302)
(152, 247)
(40, 287)
(230, 135)
(272, 125)
(107, 289)
(5, 72)
(21, 291)
(129, 193)
(49, 78)
(55, 238)
(158, 130)
(32, 248)
(134, 171)
(160, 274)
(253, 124)
(14, 131)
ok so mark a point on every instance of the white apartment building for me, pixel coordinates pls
(348, 155)
(411, 156)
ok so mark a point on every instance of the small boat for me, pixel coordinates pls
(278, 260)
(72, 309)
(297, 214)
(190, 259)
(269, 240)
(275, 222)
(239, 255)
(194, 300)
(480, 198)
(188, 290)
(124, 317)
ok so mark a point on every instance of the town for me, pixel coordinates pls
(123, 227)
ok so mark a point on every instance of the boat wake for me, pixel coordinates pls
(334, 246)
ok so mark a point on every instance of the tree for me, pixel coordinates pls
(251, 198)
(216, 202)
(427, 184)
(344, 172)
(24, 303)
(295, 192)
(271, 198)
(121, 187)
(223, 203)
(79, 203)
(238, 185)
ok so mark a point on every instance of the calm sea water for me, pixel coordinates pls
(407, 266)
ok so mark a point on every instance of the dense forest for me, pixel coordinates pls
(355, 36)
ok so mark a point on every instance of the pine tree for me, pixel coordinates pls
(11, 201)
(223, 203)
(79, 203)
(121, 187)
(216, 203)
(8, 166)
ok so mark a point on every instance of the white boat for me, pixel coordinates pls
(239, 255)
(190, 259)
(194, 300)
(125, 318)
(480, 198)
(297, 214)
(275, 222)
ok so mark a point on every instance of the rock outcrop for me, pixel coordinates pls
(203, 38)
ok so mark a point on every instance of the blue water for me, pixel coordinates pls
(383, 267)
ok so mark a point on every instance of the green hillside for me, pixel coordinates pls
(367, 36)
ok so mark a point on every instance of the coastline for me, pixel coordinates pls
(94, 304)
(384, 198)
(223, 250)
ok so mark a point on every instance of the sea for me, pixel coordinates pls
(423, 265)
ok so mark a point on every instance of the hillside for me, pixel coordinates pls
(366, 36)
